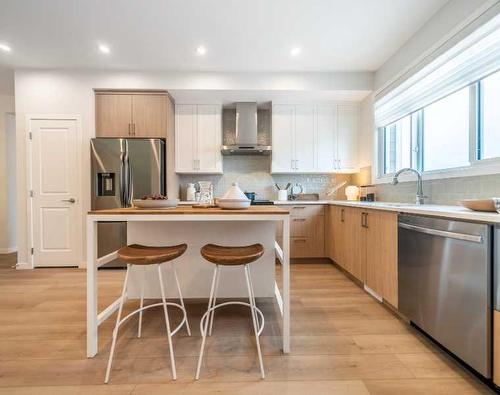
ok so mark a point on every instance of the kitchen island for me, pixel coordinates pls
(195, 227)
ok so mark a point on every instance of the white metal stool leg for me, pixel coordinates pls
(254, 319)
(115, 331)
(204, 332)
(181, 299)
(217, 279)
(167, 323)
(143, 280)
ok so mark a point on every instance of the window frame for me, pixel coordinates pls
(476, 166)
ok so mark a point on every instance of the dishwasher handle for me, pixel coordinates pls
(443, 233)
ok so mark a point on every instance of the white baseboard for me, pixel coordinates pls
(23, 266)
(7, 250)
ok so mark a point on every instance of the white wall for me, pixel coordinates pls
(7, 176)
(71, 92)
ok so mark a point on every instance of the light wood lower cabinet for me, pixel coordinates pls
(307, 231)
(364, 243)
(381, 229)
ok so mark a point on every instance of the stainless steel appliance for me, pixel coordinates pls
(445, 277)
(246, 141)
(122, 170)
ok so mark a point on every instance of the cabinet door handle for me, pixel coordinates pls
(133, 129)
(130, 129)
(299, 219)
(296, 164)
(364, 220)
(292, 164)
(299, 207)
(301, 240)
(342, 215)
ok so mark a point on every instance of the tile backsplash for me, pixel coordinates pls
(445, 191)
(252, 173)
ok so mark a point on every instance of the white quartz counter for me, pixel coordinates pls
(453, 212)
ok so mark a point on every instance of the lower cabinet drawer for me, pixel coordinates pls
(307, 247)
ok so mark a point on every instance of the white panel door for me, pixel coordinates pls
(304, 138)
(326, 138)
(185, 138)
(283, 126)
(56, 202)
(209, 139)
(347, 124)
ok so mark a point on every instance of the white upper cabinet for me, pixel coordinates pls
(314, 138)
(347, 137)
(198, 138)
(304, 139)
(326, 138)
(283, 126)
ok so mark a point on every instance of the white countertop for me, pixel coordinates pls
(434, 210)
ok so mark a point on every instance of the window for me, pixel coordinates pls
(397, 145)
(446, 132)
(489, 141)
(441, 136)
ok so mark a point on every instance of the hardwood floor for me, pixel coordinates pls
(343, 342)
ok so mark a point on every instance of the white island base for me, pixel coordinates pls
(194, 272)
(195, 227)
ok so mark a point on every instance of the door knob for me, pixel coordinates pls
(72, 200)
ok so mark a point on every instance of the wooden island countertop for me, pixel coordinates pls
(189, 210)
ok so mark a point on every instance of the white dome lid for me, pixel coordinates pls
(234, 193)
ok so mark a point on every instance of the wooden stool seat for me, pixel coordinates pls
(232, 256)
(137, 254)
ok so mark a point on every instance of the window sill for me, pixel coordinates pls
(482, 168)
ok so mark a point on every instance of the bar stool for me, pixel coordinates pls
(144, 256)
(231, 256)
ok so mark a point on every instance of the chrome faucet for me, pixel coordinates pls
(420, 192)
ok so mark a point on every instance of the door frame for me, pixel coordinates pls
(29, 176)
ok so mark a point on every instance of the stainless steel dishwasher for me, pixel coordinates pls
(445, 284)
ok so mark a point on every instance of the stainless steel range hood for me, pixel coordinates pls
(246, 133)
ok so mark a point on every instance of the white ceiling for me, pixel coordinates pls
(239, 35)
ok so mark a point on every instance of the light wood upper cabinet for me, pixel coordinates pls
(198, 136)
(135, 114)
(149, 115)
(314, 138)
(113, 115)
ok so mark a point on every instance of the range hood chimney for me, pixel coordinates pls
(246, 133)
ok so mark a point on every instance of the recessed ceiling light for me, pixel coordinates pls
(201, 50)
(295, 51)
(5, 48)
(104, 48)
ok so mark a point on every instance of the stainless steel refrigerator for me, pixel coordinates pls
(122, 170)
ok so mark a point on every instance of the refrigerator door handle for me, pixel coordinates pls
(123, 180)
(127, 191)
